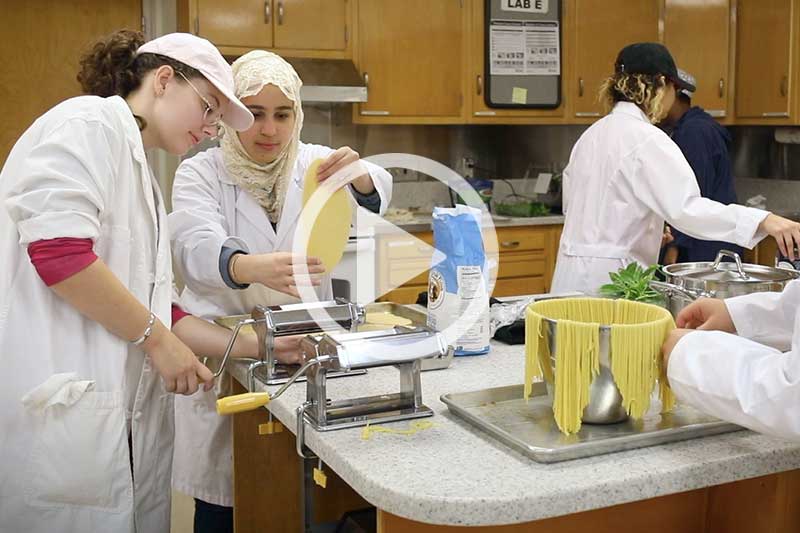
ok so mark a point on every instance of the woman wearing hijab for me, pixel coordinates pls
(86, 428)
(626, 177)
(235, 209)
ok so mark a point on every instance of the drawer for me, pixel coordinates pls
(398, 272)
(519, 286)
(516, 265)
(406, 247)
(521, 238)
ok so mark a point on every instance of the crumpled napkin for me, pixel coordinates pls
(59, 389)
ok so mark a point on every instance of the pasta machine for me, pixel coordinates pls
(272, 322)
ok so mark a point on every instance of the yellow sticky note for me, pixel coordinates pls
(320, 478)
(519, 95)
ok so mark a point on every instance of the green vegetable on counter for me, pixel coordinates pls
(632, 283)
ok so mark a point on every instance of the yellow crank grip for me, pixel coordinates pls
(239, 403)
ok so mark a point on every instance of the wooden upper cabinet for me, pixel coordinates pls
(311, 24)
(246, 23)
(697, 34)
(602, 28)
(478, 111)
(42, 43)
(763, 58)
(313, 28)
(412, 57)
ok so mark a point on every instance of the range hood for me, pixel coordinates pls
(329, 80)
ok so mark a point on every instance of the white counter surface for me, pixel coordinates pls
(455, 474)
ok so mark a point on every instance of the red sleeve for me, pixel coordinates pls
(58, 259)
(178, 313)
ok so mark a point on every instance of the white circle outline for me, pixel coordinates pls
(453, 181)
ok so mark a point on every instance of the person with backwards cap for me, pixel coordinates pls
(705, 144)
(86, 428)
(625, 178)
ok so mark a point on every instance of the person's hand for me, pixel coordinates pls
(287, 350)
(708, 314)
(786, 233)
(672, 339)
(340, 160)
(275, 270)
(670, 255)
(178, 367)
(666, 237)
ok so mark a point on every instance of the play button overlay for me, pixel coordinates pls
(396, 257)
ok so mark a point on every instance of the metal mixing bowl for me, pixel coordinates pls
(605, 400)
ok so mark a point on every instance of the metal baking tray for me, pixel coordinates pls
(529, 427)
(415, 314)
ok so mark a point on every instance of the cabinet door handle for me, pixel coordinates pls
(580, 87)
(781, 114)
(586, 114)
(509, 244)
(784, 85)
(366, 80)
(721, 87)
(479, 85)
(375, 113)
(280, 13)
(197, 25)
(267, 11)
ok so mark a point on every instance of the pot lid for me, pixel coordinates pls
(731, 271)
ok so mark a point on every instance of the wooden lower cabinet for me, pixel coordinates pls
(527, 260)
(267, 497)
(763, 254)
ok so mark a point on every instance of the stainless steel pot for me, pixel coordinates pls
(685, 282)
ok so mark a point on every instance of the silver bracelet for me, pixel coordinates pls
(147, 332)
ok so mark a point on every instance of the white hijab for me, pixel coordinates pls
(266, 182)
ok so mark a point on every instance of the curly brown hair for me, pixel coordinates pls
(110, 66)
(645, 90)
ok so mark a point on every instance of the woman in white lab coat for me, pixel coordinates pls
(86, 425)
(743, 362)
(626, 177)
(235, 209)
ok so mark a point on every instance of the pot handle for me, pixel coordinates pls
(736, 259)
(669, 289)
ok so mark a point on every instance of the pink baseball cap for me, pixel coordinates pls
(203, 56)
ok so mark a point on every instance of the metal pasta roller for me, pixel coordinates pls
(276, 321)
(404, 347)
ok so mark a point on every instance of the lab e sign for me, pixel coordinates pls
(524, 6)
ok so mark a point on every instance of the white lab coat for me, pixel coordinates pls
(210, 211)
(73, 391)
(750, 379)
(625, 177)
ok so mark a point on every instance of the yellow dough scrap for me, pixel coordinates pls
(331, 228)
(387, 319)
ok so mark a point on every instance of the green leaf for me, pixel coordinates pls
(632, 282)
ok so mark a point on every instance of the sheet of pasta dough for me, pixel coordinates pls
(331, 228)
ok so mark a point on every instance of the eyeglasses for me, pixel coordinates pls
(211, 116)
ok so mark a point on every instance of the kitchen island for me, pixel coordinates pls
(454, 475)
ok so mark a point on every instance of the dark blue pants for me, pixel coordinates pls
(210, 518)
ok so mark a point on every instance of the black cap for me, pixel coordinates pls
(650, 58)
